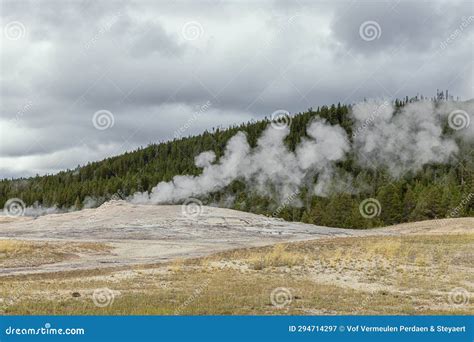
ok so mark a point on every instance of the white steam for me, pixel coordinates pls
(214, 176)
(271, 168)
(37, 209)
(460, 117)
(400, 141)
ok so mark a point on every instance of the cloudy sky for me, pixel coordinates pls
(82, 80)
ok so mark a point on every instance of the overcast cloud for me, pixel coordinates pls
(157, 69)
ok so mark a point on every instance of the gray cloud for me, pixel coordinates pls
(414, 25)
(134, 60)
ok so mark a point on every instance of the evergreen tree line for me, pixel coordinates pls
(437, 191)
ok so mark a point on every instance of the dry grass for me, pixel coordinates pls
(277, 257)
(12, 248)
(370, 275)
(15, 253)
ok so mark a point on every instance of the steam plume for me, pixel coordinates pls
(399, 140)
(270, 167)
(403, 141)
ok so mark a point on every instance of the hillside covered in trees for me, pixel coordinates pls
(437, 191)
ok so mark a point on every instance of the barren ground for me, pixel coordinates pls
(154, 260)
(139, 234)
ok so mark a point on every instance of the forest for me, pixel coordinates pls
(436, 191)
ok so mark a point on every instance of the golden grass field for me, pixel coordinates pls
(15, 253)
(373, 275)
